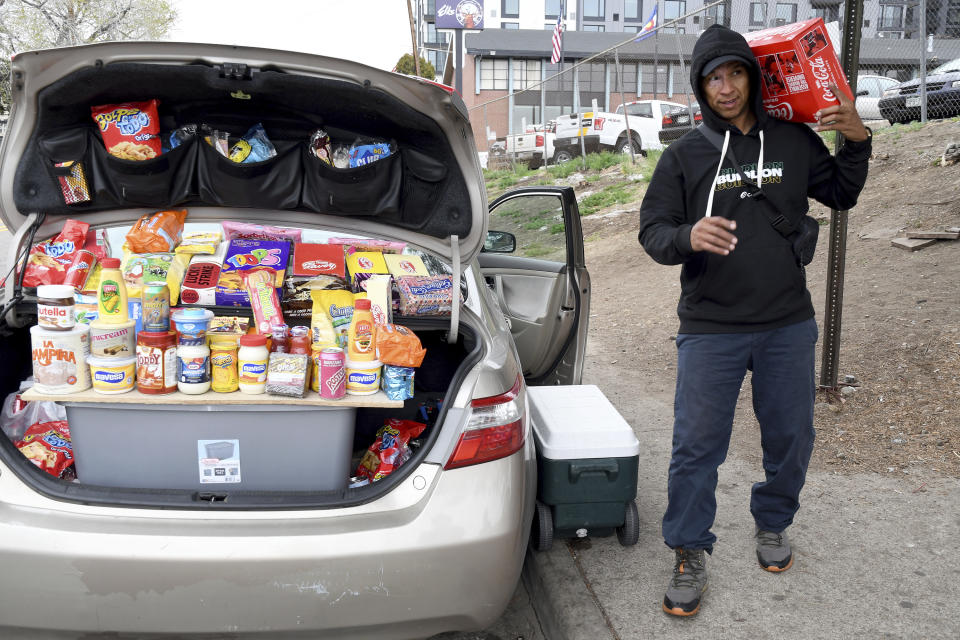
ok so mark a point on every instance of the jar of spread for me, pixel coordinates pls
(252, 359)
(55, 307)
(157, 361)
(223, 364)
(193, 362)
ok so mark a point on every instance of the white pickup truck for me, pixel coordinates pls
(605, 131)
(530, 147)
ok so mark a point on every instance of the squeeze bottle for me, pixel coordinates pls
(112, 295)
(361, 337)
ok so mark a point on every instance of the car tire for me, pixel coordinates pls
(624, 147)
(562, 156)
(629, 533)
(541, 536)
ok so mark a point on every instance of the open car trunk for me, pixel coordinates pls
(423, 194)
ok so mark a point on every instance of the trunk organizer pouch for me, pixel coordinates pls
(270, 184)
(373, 189)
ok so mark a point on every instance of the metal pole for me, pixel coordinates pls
(656, 63)
(923, 61)
(458, 72)
(833, 307)
(623, 101)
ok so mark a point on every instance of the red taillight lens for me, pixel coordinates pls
(495, 430)
(667, 120)
(698, 117)
(539, 141)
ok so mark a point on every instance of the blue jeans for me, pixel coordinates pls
(710, 372)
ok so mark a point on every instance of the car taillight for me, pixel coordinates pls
(598, 124)
(539, 141)
(698, 117)
(495, 430)
(667, 120)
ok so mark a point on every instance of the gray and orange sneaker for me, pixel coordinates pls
(773, 551)
(688, 583)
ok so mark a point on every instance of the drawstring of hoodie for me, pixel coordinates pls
(723, 154)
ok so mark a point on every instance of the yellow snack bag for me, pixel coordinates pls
(205, 242)
(337, 307)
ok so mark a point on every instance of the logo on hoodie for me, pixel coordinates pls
(730, 179)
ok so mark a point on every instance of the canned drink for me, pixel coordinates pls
(156, 307)
(83, 263)
(332, 377)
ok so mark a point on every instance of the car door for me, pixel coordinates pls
(868, 98)
(541, 282)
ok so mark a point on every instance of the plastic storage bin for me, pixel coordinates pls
(587, 459)
(212, 447)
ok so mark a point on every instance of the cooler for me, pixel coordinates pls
(587, 460)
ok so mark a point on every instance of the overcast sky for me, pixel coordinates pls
(374, 32)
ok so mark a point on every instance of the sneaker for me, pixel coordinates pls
(773, 551)
(688, 583)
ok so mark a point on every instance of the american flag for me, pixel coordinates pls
(558, 36)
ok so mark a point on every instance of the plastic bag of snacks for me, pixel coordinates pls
(390, 450)
(363, 151)
(130, 130)
(254, 146)
(203, 242)
(18, 414)
(399, 346)
(157, 232)
(247, 231)
(47, 445)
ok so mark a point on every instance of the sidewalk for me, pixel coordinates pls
(875, 557)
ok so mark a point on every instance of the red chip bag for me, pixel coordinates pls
(130, 130)
(390, 450)
(47, 445)
(48, 261)
(158, 232)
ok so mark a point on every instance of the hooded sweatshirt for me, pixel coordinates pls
(759, 285)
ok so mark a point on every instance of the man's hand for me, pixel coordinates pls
(842, 117)
(713, 235)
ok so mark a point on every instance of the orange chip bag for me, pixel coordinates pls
(157, 232)
(398, 346)
(130, 130)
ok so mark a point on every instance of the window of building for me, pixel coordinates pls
(434, 36)
(651, 82)
(594, 9)
(493, 74)
(715, 15)
(593, 27)
(679, 80)
(952, 24)
(430, 8)
(551, 111)
(628, 73)
(592, 78)
(677, 28)
(891, 16)
(509, 25)
(556, 85)
(634, 28)
(674, 9)
(786, 13)
(510, 9)
(758, 13)
(551, 9)
(438, 59)
(631, 9)
(829, 13)
(528, 113)
(526, 74)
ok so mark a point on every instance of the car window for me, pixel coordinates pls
(666, 108)
(642, 109)
(869, 85)
(953, 65)
(886, 83)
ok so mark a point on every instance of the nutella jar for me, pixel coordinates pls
(55, 307)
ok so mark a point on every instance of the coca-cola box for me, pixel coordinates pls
(797, 65)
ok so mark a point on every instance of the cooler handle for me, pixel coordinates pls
(606, 466)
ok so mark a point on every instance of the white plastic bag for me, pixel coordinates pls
(17, 416)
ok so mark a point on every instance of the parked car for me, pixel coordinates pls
(901, 103)
(869, 91)
(677, 122)
(436, 545)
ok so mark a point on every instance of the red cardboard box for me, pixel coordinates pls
(318, 259)
(797, 64)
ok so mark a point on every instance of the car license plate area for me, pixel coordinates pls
(683, 119)
(914, 101)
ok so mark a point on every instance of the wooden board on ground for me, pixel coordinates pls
(911, 244)
(311, 399)
(935, 235)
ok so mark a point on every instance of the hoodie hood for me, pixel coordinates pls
(718, 41)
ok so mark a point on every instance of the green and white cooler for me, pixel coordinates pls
(587, 459)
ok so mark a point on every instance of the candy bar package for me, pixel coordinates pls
(376, 288)
(264, 301)
(297, 302)
(247, 231)
(797, 64)
(194, 242)
(352, 245)
(73, 182)
(364, 262)
(202, 276)
(243, 255)
(425, 295)
(405, 265)
(317, 259)
(287, 374)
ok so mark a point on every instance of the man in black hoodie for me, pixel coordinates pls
(743, 304)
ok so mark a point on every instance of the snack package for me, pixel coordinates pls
(48, 261)
(47, 445)
(335, 307)
(425, 295)
(405, 265)
(390, 450)
(377, 290)
(399, 346)
(254, 146)
(219, 140)
(130, 130)
(73, 182)
(202, 276)
(85, 308)
(287, 374)
(18, 414)
(182, 134)
(320, 145)
(311, 259)
(397, 382)
(264, 302)
(797, 64)
(243, 255)
(143, 268)
(363, 262)
(364, 150)
(157, 232)
(228, 325)
(297, 303)
(204, 242)
(352, 245)
(248, 231)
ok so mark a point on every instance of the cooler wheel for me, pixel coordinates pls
(629, 533)
(542, 534)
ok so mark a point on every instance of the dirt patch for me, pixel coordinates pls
(900, 337)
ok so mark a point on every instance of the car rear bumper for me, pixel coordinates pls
(435, 554)
(674, 133)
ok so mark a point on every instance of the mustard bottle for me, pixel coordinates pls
(112, 295)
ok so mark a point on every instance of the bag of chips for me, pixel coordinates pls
(130, 130)
(48, 261)
(47, 445)
(399, 346)
(157, 232)
(390, 450)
